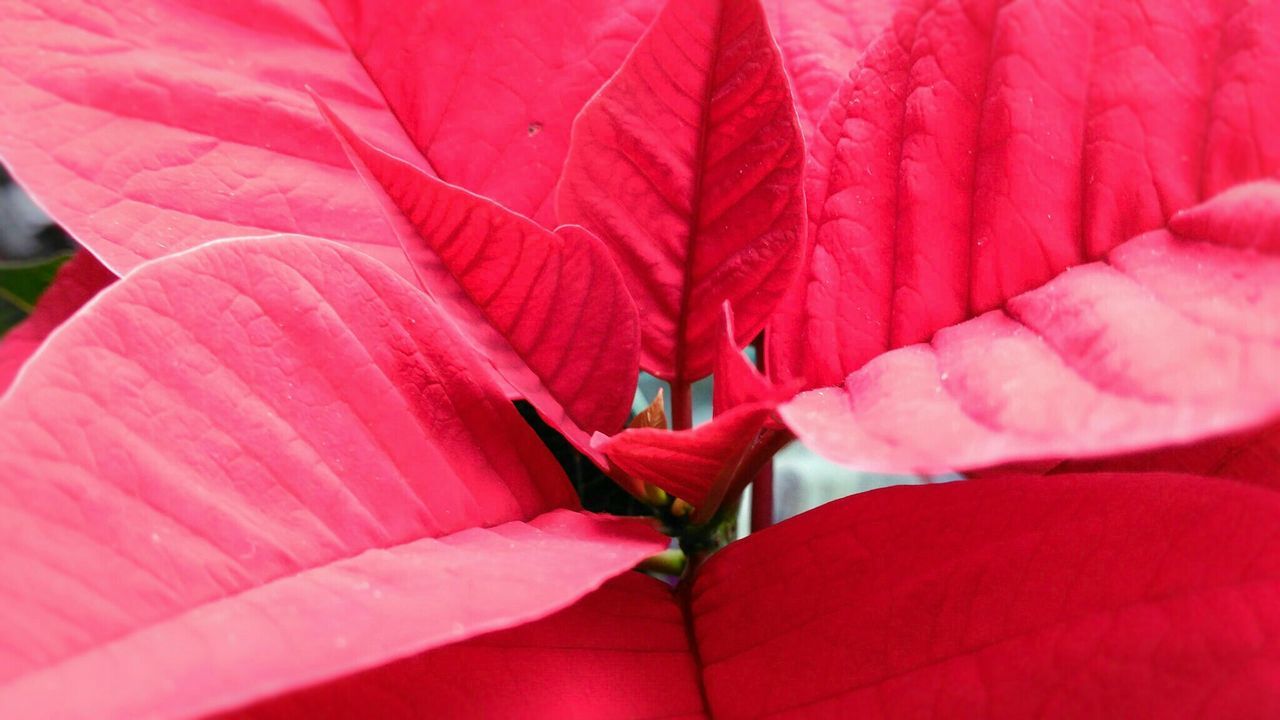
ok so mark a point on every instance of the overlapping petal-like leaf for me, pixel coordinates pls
(690, 464)
(620, 652)
(1171, 340)
(687, 164)
(270, 475)
(259, 465)
(507, 282)
(711, 463)
(1252, 454)
(77, 281)
(1083, 596)
(980, 147)
(146, 127)
(489, 90)
(737, 381)
(953, 178)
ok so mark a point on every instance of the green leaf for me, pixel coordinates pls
(22, 284)
(10, 315)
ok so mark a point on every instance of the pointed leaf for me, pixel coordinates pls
(687, 164)
(713, 462)
(260, 465)
(1081, 596)
(981, 147)
(737, 381)
(619, 652)
(507, 282)
(1171, 340)
(653, 416)
(688, 464)
(75, 283)
(148, 127)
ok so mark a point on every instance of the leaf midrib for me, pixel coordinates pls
(695, 204)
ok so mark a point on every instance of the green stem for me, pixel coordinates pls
(667, 562)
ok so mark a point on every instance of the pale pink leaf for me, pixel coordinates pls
(259, 465)
(147, 127)
(1169, 341)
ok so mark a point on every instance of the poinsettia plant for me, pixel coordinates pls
(258, 449)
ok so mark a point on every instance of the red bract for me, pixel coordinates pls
(1085, 596)
(952, 179)
(711, 463)
(620, 652)
(279, 476)
(259, 465)
(1081, 596)
(687, 164)
(689, 463)
(737, 381)
(505, 280)
(980, 148)
(146, 127)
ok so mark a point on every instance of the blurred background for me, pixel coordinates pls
(25, 232)
(31, 249)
